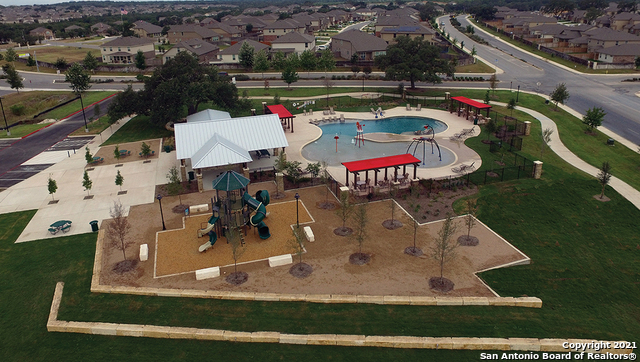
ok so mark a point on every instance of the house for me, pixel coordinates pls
(124, 50)
(178, 33)
(224, 31)
(393, 22)
(413, 31)
(204, 51)
(144, 29)
(42, 33)
(230, 54)
(520, 24)
(101, 29)
(281, 27)
(620, 54)
(294, 42)
(600, 38)
(624, 21)
(364, 45)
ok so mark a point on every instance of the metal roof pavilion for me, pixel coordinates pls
(379, 163)
(208, 115)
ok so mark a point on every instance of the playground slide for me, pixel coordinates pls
(209, 244)
(210, 224)
(257, 206)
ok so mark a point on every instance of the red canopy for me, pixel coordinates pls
(380, 162)
(471, 102)
(280, 111)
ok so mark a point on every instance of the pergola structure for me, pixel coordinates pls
(470, 103)
(376, 164)
(285, 116)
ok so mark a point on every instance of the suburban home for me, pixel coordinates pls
(224, 31)
(600, 38)
(204, 51)
(521, 24)
(413, 31)
(144, 29)
(624, 21)
(281, 27)
(178, 33)
(124, 50)
(230, 54)
(42, 33)
(101, 28)
(620, 54)
(294, 42)
(364, 45)
(394, 22)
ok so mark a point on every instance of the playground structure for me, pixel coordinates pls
(359, 139)
(429, 137)
(235, 210)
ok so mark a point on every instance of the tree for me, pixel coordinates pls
(604, 176)
(141, 61)
(557, 7)
(124, 104)
(10, 55)
(300, 270)
(593, 118)
(174, 187)
(493, 82)
(560, 94)
(249, 27)
(360, 220)
(90, 62)
(289, 75)
(116, 153)
(262, 63)
(355, 69)
(145, 149)
(367, 71)
(345, 211)
(118, 228)
(326, 62)
(392, 223)
(13, 78)
(546, 139)
(443, 251)
(78, 78)
(86, 182)
(87, 155)
(511, 105)
(246, 55)
(30, 61)
(414, 250)
(470, 222)
(1, 57)
(637, 63)
(474, 52)
(52, 186)
(119, 180)
(96, 111)
(61, 64)
(592, 14)
(491, 127)
(487, 97)
(293, 61)
(237, 249)
(314, 169)
(414, 60)
(278, 61)
(308, 61)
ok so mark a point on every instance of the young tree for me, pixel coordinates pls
(246, 55)
(10, 55)
(360, 220)
(86, 182)
(487, 97)
(279, 61)
(314, 169)
(237, 250)
(96, 111)
(61, 64)
(78, 78)
(493, 82)
(511, 105)
(87, 155)
(560, 94)
(414, 250)
(90, 62)
(116, 153)
(145, 149)
(262, 63)
(174, 187)
(299, 270)
(345, 211)
(470, 222)
(604, 176)
(491, 127)
(546, 139)
(13, 78)
(141, 61)
(444, 251)
(289, 75)
(474, 52)
(119, 180)
(326, 62)
(593, 118)
(118, 228)
(308, 61)
(392, 223)
(30, 61)
(355, 69)
(52, 186)
(367, 71)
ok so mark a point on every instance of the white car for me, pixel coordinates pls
(322, 47)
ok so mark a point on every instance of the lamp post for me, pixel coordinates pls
(297, 218)
(159, 197)
(363, 82)
(510, 86)
(5, 118)
(336, 138)
(86, 129)
(518, 94)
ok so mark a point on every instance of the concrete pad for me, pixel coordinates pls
(182, 333)
(410, 342)
(475, 301)
(321, 339)
(57, 326)
(496, 344)
(468, 343)
(370, 299)
(552, 345)
(267, 297)
(293, 338)
(438, 343)
(318, 298)
(343, 298)
(381, 341)
(448, 301)
(502, 301)
(265, 337)
(130, 330)
(49, 157)
(418, 300)
(528, 302)
(524, 344)
(168, 293)
(210, 334)
(156, 331)
(144, 252)
(292, 297)
(107, 329)
(78, 327)
(241, 296)
(350, 340)
(397, 300)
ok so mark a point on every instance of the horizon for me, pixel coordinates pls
(51, 2)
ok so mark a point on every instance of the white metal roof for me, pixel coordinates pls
(219, 151)
(208, 115)
(249, 133)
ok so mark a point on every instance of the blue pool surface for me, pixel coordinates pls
(324, 148)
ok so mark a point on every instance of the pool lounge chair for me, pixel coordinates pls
(408, 107)
(342, 118)
(331, 111)
(372, 111)
(419, 107)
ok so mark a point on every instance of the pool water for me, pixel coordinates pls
(324, 148)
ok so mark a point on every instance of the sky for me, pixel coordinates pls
(41, 2)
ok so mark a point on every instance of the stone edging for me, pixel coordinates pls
(458, 343)
(96, 287)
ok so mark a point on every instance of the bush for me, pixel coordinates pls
(18, 109)
(242, 77)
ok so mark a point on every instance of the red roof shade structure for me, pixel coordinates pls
(381, 162)
(280, 111)
(471, 102)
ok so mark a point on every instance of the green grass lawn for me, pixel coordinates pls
(137, 129)
(308, 92)
(22, 130)
(95, 127)
(87, 99)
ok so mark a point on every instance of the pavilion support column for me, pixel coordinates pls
(488, 110)
(347, 178)
(404, 169)
(264, 108)
(385, 173)
(415, 171)
(245, 171)
(279, 183)
(183, 170)
(375, 177)
(395, 173)
(291, 125)
(366, 175)
(199, 178)
(275, 152)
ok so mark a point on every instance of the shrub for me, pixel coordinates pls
(242, 77)
(18, 109)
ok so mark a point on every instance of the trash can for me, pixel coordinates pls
(611, 141)
(94, 225)
(186, 212)
(192, 175)
(475, 121)
(546, 101)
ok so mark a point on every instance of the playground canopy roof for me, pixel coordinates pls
(280, 110)
(471, 102)
(229, 181)
(381, 162)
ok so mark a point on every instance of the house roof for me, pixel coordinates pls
(200, 30)
(235, 48)
(39, 30)
(361, 41)
(280, 110)
(197, 46)
(471, 102)
(407, 29)
(128, 41)
(381, 162)
(250, 133)
(208, 115)
(624, 49)
(148, 27)
(295, 37)
(219, 151)
(395, 21)
(223, 27)
(610, 34)
(72, 27)
(283, 24)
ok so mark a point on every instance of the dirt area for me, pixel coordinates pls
(106, 152)
(389, 272)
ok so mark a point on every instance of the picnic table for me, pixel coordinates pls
(60, 225)
(97, 160)
(124, 153)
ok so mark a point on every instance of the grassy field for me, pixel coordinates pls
(309, 92)
(479, 67)
(87, 98)
(34, 103)
(95, 127)
(138, 128)
(69, 53)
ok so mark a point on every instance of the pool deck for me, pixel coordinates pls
(306, 133)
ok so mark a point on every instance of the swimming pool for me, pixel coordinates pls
(324, 148)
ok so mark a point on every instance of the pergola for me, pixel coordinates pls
(470, 103)
(285, 116)
(376, 164)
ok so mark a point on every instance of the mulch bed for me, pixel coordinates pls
(326, 205)
(125, 266)
(301, 270)
(179, 209)
(359, 258)
(237, 278)
(392, 224)
(413, 251)
(470, 240)
(343, 231)
(443, 285)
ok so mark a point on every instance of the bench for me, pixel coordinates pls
(308, 233)
(207, 273)
(199, 208)
(280, 260)
(144, 252)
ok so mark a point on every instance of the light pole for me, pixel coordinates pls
(159, 197)
(5, 118)
(297, 218)
(518, 94)
(363, 82)
(510, 86)
(86, 129)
